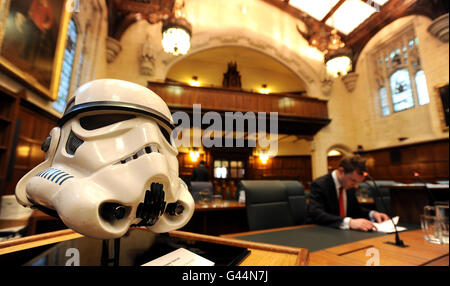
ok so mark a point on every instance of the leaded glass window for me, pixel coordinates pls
(402, 97)
(384, 101)
(398, 72)
(66, 72)
(422, 89)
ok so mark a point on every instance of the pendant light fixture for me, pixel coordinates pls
(338, 59)
(176, 32)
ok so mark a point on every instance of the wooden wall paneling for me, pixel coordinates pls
(430, 159)
(422, 153)
(35, 125)
(9, 109)
(409, 155)
(267, 105)
(440, 152)
(442, 170)
(250, 103)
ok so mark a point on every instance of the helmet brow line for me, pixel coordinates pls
(114, 106)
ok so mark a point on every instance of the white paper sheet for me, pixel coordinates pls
(388, 227)
(180, 257)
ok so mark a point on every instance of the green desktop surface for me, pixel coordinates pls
(314, 238)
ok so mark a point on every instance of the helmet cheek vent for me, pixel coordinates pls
(73, 142)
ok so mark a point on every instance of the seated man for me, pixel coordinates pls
(333, 198)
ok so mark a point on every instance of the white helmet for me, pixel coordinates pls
(110, 164)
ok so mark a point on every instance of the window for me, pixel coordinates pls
(66, 72)
(384, 101)
(401, 81)
(402, 97)
(421, 86)
(220, 169)
(228, 169)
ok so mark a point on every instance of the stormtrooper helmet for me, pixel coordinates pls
(111, 163)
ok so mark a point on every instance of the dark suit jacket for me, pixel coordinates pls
(323, 207)
(201, 173)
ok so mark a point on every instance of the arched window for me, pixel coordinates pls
(400, 79)
(67, 66)
(402, 97)
(422, 89)
(384, 101)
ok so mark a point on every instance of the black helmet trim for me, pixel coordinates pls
(114, 106)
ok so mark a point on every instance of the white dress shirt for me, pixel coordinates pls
(346, 222)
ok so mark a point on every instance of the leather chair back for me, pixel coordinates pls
(297, 200)
(382, 199)
(267, 204)
(197, 187)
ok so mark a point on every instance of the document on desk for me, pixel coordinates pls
(388, 227)
(180, 257)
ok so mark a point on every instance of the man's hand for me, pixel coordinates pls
(361, 224)
(379, 217)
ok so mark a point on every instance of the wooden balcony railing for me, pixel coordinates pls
(310, 113)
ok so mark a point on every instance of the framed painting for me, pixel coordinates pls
(32, 39)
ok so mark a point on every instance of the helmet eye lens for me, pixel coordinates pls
(93, 122)
(165, 133)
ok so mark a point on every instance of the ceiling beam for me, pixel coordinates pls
(331, 12)
(296, 13)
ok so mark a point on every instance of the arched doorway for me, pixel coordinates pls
(335, 154)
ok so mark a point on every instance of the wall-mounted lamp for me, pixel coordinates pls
(263, 157)
(194, 81)
(334, 153)
(264, 89)
(194, 155)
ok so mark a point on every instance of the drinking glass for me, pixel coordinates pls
(444, 230)
(204, 197)
(429, 210)
(217, 200)
(431, 228)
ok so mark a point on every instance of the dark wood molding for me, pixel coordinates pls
(123, 13)
(393, 10)
(331, 12)
(402, 146)
(358, 38)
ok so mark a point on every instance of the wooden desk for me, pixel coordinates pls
(261, 254)
(218, 218)
(419, 252)
(218, 206)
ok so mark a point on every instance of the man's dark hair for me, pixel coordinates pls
(353, 163)
(202, 162)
